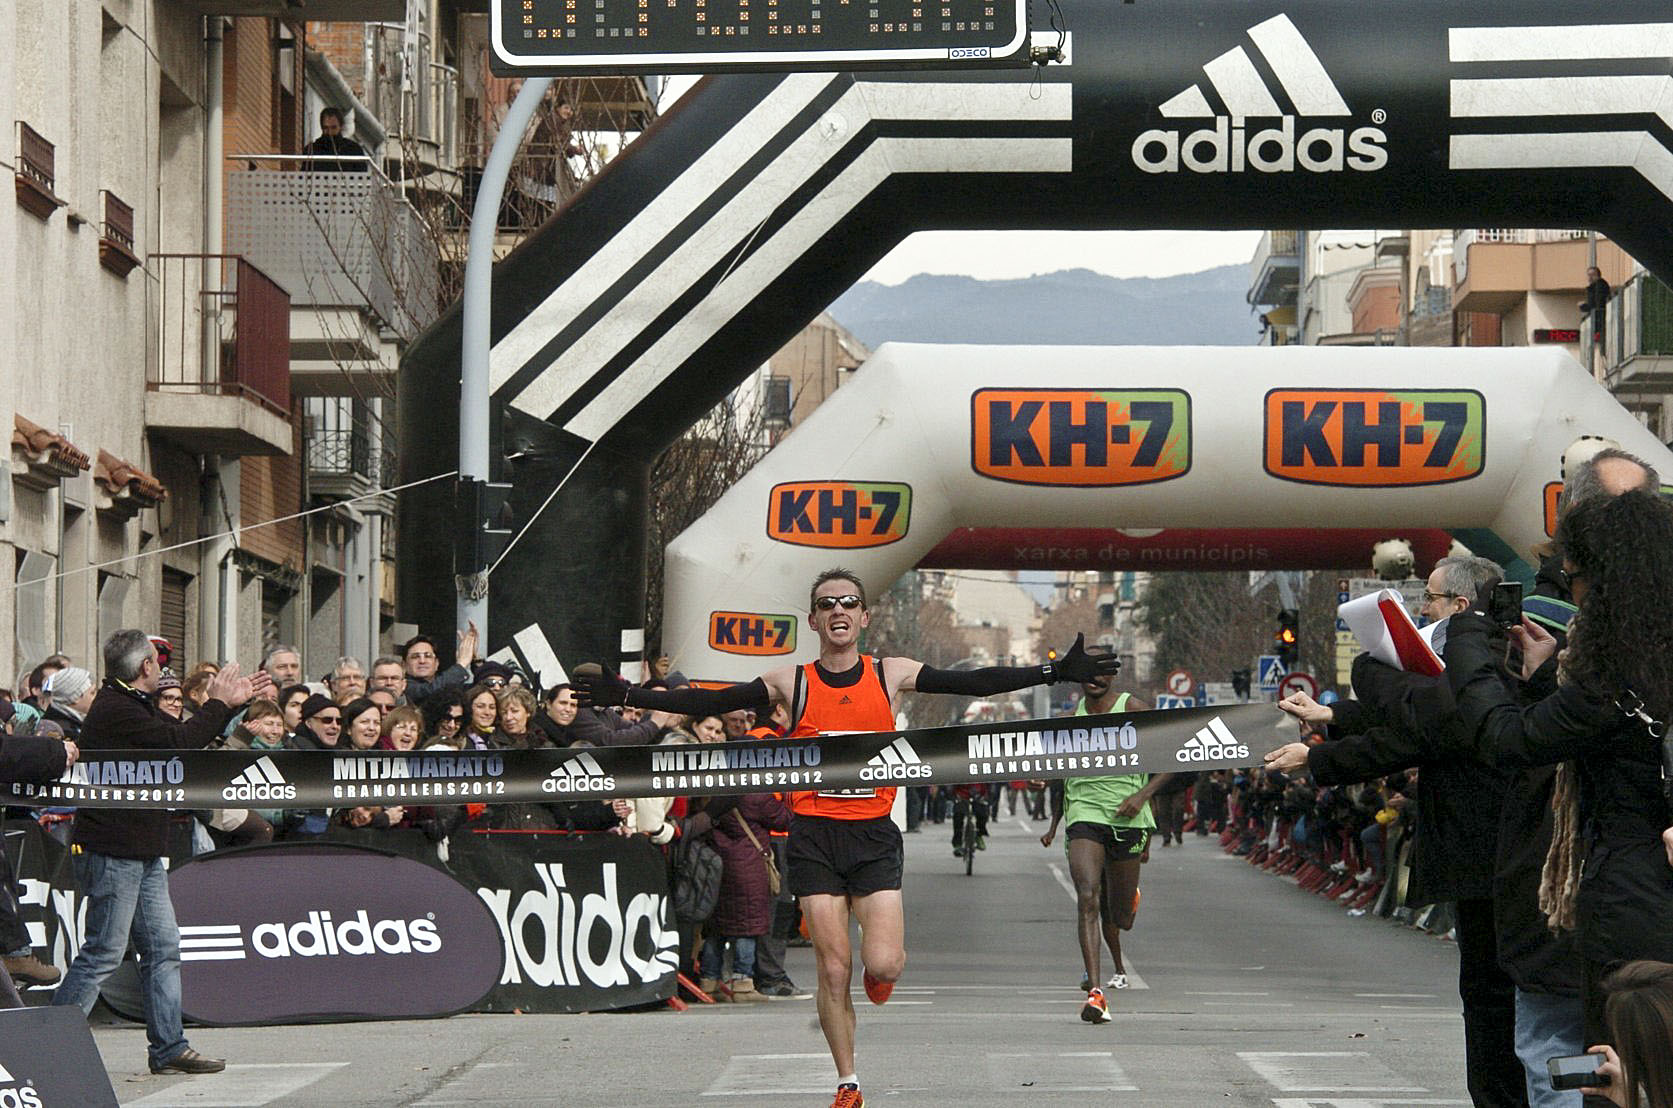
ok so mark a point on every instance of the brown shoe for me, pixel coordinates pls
(190, 1061)
(711, 985)
(744, 991)
(30, 970)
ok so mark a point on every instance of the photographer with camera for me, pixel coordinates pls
(1402, 720)
(1606, 876)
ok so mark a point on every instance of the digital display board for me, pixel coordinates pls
(557, 37)
(1557, 334)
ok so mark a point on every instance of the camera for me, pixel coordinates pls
(1576, 1071)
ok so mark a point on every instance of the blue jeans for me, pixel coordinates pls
(743, 955)
(127, 897)
(1547, 1027)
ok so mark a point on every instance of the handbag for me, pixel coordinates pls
(697, 874)
(773, 881)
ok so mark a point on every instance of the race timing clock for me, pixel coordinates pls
(568, 37)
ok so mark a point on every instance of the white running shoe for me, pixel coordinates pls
(1116, 981)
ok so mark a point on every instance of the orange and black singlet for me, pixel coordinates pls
(822, 708)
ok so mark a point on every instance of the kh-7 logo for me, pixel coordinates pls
(1090, 438)
(1374, 438)
(752, 633)
(839, 515)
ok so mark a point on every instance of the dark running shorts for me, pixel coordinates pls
(1119, 842)
(844, 857)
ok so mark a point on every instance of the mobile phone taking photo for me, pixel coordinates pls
(1504, 607)
(1577, 1071)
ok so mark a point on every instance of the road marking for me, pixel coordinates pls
(1080, 1071)
(1314, 1102)
(247, 1085)
(1226, 994)
(1397, 996)
(1134, 981)
(1247, 1004)
(1325, 1071)
(774, 1075)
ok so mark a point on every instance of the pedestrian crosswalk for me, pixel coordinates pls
(1330, 1079)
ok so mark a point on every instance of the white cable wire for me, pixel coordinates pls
(234, 532)
(544, 504)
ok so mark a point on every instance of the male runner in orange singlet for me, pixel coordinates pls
(845, 850)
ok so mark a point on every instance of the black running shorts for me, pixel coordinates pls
(844, 857)
(1120, 843)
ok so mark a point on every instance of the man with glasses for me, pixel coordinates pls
(388, 675)
(422, 660)
(844, 849)
(348, 680)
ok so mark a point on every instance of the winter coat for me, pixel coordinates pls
(125, 723)
(453, 677)
(1626, 886)
(67, 721)
(31, 759)
(1405, 720)
(746, 902)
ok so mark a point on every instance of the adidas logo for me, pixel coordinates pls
(896, 762)
(25, 1096)
(261, 781)
(580, 774)
(845, 699)
(1226, 146)
(1214, 743)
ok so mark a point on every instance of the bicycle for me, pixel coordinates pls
(964, 815)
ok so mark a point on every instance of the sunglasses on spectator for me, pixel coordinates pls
(334, 720)
(495, 682)
(451, 721)
(827, 603)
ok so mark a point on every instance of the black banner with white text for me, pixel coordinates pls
(1134, 742)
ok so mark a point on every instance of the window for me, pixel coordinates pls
(116, 240)
(171, 617)
(36, 174)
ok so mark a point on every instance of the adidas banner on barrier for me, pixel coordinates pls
(1078, 746)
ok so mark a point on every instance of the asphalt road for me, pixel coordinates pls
(1250, 992)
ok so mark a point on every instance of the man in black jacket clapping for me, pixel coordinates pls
(120, 859)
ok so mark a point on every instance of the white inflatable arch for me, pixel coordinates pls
(926, 441)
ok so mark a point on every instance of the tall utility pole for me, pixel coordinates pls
(470, 562)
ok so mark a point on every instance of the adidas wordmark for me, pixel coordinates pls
(1212, 744)
(896, 762)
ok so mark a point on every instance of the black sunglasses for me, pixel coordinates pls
(495, 683)
(458, 719)
(827, 603)
(329, 719)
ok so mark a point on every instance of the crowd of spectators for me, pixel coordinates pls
(733, 945)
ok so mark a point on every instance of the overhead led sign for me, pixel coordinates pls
(557, 37)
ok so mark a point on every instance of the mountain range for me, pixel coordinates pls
(1069, 307)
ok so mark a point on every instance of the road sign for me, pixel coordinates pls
(533, 38)
(1180, 683)
(1298, 682)
(1219, 692)
(1163, 700)
(1272, 670)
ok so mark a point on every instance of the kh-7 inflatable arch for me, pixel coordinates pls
(981, 442)
(749, 207)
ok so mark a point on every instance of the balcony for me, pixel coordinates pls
(416, 99)
(1497, 267)
(218, 376)
(359, 262)
(1637, 337)
(1275, 270)
(344, 463)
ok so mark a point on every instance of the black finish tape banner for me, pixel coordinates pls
(1076, 746)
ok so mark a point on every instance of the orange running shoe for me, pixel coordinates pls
(1095, 1009)
(876, 991)
(848, 1096)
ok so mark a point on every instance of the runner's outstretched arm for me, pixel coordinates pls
(598, 688)
(1077, 664)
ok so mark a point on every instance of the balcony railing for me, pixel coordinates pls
(222, 326)
(1638, 325)
(349, 453)
(1275, 268)
(414, 97)
(1515, 236)
(336, 240)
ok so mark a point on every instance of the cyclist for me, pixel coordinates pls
(966, 797)
(1108, 837)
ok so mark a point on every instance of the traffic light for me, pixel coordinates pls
(1286, 639)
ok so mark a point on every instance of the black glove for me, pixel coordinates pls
(1079, 665)
(597, 687)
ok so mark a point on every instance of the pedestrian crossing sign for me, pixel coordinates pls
(1271, 672)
